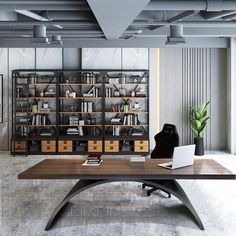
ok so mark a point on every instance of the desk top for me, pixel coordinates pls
(120, 169)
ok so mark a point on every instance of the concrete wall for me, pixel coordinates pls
(189, 77)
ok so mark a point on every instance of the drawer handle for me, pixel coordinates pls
(111, 148)
(141, 147)
(111, 142)
(48, 142)
(48, 148)
(141, 142)
(65, 142)
(65, 148)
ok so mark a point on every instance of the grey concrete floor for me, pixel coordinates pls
(112, 209)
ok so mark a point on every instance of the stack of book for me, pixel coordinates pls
(72, 131)
(93, 160)
(137, 161)
(73, 120)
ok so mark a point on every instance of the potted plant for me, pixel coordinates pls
(198, 124)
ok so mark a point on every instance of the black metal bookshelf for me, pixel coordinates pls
(80, 112)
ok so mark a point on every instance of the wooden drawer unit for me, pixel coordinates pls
(51, 143)
(48, 149)
(48, 146)
(20, 146)
(94, 143)
(112, 148)
(65, 143)
(141, 148)
(94, 148)
(140, 143)
(109, 143)
(65, 148)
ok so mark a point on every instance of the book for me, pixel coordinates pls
(86, 163)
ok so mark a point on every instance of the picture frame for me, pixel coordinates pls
(1, 98)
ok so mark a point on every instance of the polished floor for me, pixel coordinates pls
(113, 209)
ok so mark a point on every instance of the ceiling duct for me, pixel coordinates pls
(176, 35)
(39, 34)
(56, 39)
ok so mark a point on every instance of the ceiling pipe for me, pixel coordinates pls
(76, 23)
(198, 5)
(217, 15)
(73, 5)
(70, 15)
(230, 17)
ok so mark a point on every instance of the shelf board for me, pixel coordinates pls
(77, 84)
(126, 97)
(78, 125)
(42, 97)
(130, 112)
(42, 84)
(51, 112)
(34, 125)
(126, 84)
(79, 112)
(126, 125)
(80, 98)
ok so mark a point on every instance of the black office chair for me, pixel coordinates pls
(166, 141)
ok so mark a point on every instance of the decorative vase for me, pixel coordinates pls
(199, 150)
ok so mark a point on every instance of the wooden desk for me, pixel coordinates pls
(117, 169)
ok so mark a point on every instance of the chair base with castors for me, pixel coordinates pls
(153, 189)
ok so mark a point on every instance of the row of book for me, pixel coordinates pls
(86, 107)
(120, 107)
(131, 119)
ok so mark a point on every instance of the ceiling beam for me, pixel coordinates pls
(35, 16)
(217, 15)
(186, 23)
(118, 15)
(182, 16)
(132, 43)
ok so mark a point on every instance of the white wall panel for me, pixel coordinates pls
(135, 58)
(4, 126)
(48, 58)
(101, 58)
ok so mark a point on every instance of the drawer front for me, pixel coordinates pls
(141, 149)
(65, 143)
(19, 144)
(140, 143)
(109, 143)
(94, 143)
(51, 143)
(94, 148)
(48, 149)
(65, 148)
(111, 148)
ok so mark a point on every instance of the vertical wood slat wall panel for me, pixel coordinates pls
(203, 78)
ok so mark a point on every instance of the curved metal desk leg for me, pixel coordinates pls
(170, 186)
(174, 188)
(80, 186)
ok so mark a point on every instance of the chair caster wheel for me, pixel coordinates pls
(143, 186)
(148, 194)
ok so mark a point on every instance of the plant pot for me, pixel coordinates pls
(199, 150)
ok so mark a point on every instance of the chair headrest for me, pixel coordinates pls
(169, 129)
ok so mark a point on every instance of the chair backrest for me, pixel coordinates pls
(166, 141)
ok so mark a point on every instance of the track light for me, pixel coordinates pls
(56, 39)
(39, 34)
(176, 35)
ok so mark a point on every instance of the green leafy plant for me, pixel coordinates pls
(199, 119)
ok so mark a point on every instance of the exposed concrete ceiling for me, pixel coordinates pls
(113, 23)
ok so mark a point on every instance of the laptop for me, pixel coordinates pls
(182, 156)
